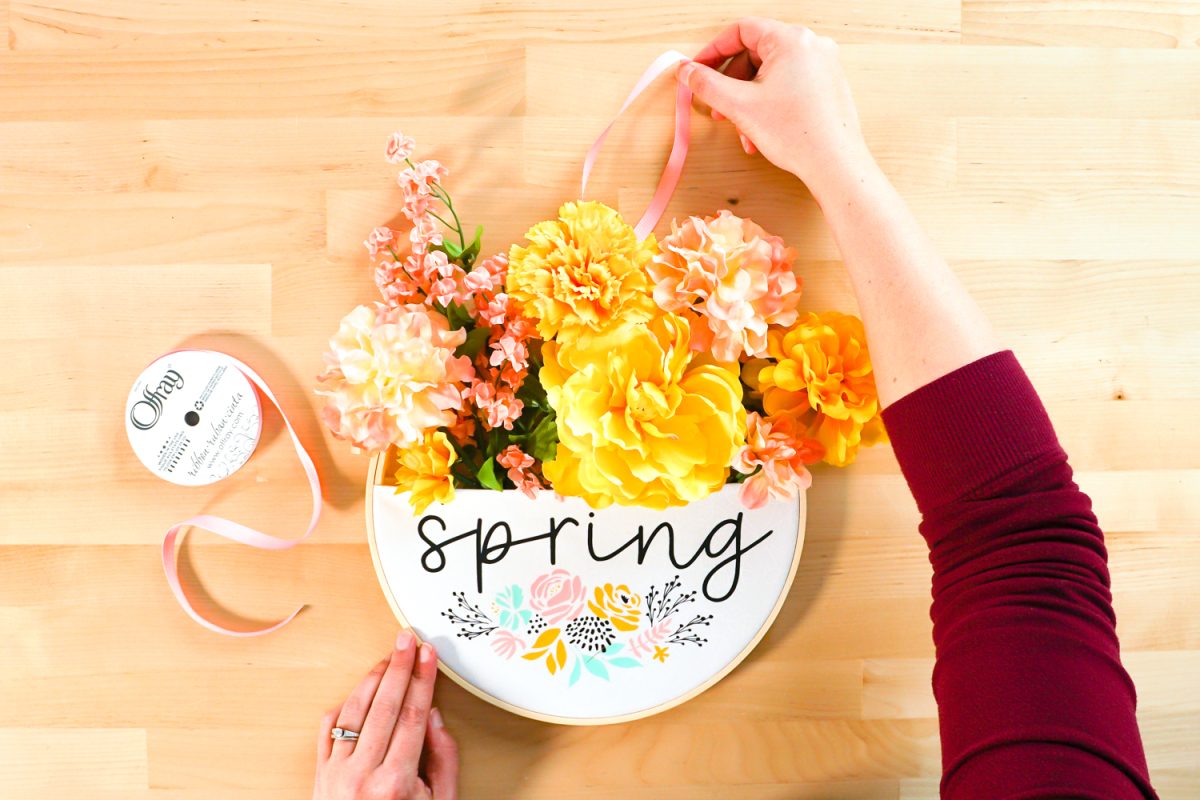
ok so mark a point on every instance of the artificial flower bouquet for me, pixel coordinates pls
(592, 363)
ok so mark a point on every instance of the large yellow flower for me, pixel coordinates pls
(424, 470)
(639, 422)
(583, 273)
(820, 374)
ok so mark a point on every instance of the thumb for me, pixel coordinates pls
(717, 91)
(441, 759)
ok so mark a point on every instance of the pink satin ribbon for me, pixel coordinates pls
(679, 147)
(237, 532)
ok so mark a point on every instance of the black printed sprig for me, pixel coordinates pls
(660, 606)
(470, 621)
(687, 634)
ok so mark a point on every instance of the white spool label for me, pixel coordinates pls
(193, 418)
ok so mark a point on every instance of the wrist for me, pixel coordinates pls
(841, 174)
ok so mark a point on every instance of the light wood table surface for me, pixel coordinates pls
(203, 173)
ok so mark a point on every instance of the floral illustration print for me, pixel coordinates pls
(558, 623)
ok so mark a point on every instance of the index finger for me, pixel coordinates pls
(405, 749)
(745, 34)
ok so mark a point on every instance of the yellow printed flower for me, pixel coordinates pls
(821, 376)
(639, 422)
(549, 649)
(618, 605)
(582, 273)
(424, 470)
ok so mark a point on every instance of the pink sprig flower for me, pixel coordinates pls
(399, 148)
(520, 470)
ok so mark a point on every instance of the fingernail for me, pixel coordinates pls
(745, 142)
(435, 717)
(685, 69)
(403, 640)
(426, 652)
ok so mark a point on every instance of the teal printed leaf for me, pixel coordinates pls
(507, 620)
(525, 615)
(624, 662)
(518, 596)
(596, 667)
(614, 648)
(487, 475)
(575, 673)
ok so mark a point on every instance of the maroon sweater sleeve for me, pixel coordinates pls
(1032, 698)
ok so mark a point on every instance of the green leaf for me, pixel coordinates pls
(476, 339)
(487, 475)
(624, 662)
(472, 250)
(542, 443)
(451, 250)
(596, 667)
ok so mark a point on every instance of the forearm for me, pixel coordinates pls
(1032, 697)
(920, 321)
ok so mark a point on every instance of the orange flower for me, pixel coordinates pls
(582, 273)
(820, 375)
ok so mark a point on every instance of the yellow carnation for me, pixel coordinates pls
(640, 423)
(582, 274)
(424, 470)
(820, 374)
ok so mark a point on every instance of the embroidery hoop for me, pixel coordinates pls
(375, 477)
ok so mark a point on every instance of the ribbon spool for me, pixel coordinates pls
(194, 418)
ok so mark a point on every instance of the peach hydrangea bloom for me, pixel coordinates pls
(423, 470)
(776, 458)
(391, 375)
(582, 273)
(730, 276)
(819, 373)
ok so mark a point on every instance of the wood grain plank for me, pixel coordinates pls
(1104, 23)
(193, 155)
(135, 298)
(1080, 154)
(911, 81)
(291, 83)
(172, 227)
(230, 25)
(102, 762)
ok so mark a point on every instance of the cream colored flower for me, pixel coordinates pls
(392, 375)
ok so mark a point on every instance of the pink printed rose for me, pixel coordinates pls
(558, 596)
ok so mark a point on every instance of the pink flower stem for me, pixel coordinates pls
(444, 196)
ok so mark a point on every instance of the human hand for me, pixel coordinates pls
(785, 90)
(390, 710)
